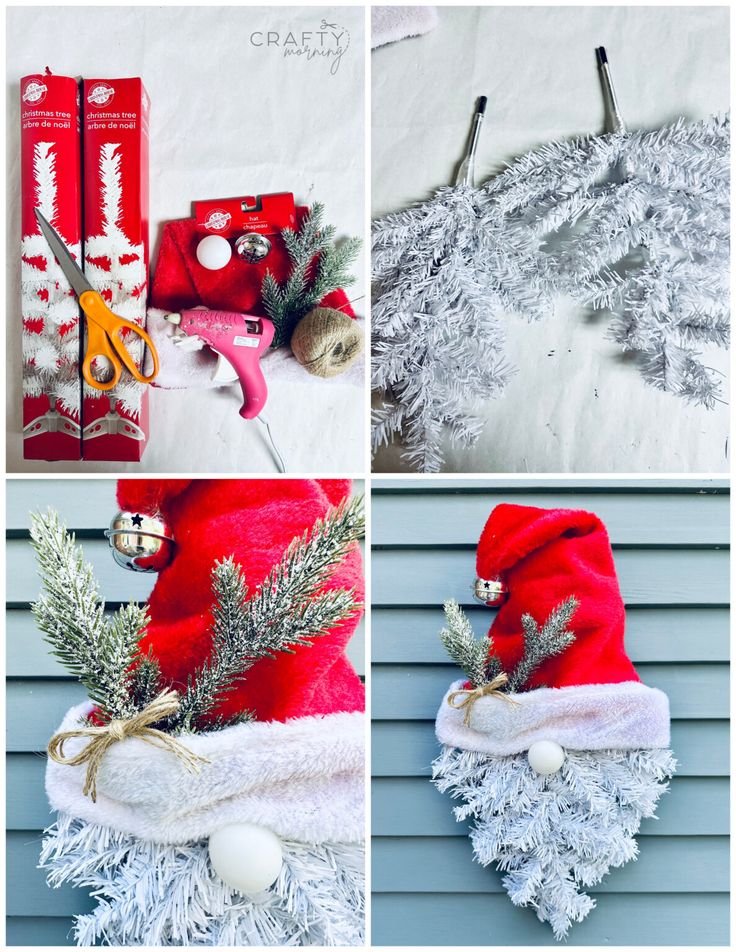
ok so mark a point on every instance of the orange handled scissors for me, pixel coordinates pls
(104, 329)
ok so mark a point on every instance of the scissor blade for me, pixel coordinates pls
(74, 274)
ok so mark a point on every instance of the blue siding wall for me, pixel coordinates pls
(670, 543)
(39, 692)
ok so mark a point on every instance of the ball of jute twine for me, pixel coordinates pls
(326, 342)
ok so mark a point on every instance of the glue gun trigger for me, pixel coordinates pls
(224, 371)
(179, 338)
(187, 342)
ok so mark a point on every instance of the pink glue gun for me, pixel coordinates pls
(240, 340)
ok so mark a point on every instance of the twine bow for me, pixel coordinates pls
(102, 738)
(471, 695)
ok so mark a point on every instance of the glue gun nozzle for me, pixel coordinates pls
(173, 318)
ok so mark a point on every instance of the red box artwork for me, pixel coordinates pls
(51, 181)
(116, 115)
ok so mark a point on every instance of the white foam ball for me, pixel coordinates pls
(546, 757)
(214, 252)
(246, 856)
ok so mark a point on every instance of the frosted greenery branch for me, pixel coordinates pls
(146, 680)
(474, 656)
(480, 664)
(287, 609)
(71, 616)
(308, 563)
(307, 283)
(542, 643)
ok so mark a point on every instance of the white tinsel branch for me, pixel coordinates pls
(554, 835)
(635, 223)
(442, 288)
(639, 226)
(154, 895)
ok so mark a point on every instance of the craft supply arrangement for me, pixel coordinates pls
(244, 275)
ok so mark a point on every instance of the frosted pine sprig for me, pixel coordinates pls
(477, 657)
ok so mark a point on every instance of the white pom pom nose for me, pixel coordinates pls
(246, 856)
(546, 757)
(214, 252)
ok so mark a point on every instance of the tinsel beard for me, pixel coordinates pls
(161, 895)
(553, 835)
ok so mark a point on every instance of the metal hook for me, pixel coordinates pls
(466, 172)
(618, 123)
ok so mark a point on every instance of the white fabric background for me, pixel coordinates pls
(227, 119)
(576, 403)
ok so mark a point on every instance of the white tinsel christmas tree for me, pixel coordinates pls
(633, 223)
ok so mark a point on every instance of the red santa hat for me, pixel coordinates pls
(252, 520)
(589, 697)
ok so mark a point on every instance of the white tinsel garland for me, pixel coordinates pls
(160, 895)
(552, 835)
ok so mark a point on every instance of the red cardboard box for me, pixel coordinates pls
(51, 180)
(116, 114)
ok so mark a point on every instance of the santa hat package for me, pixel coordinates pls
(552, 743)
(283, 788)
(181, 282)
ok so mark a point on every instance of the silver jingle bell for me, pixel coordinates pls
(252, 247)
(140, 541)
(490, 592)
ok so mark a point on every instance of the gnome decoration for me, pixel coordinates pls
(210, 792)
(552, 743)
